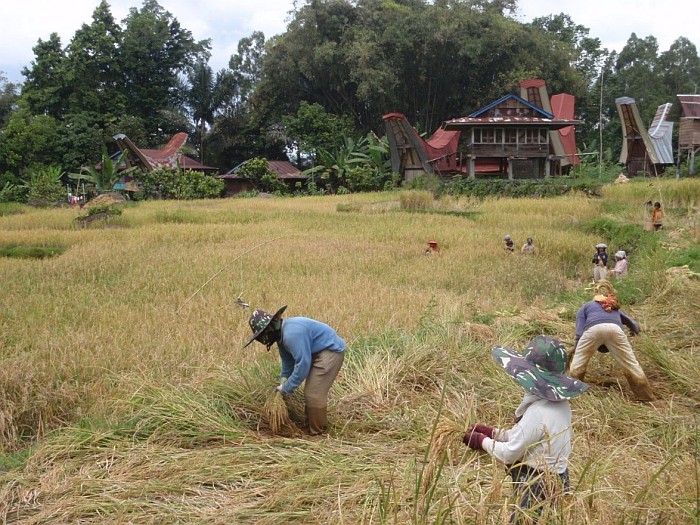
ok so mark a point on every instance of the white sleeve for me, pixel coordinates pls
(513, 443)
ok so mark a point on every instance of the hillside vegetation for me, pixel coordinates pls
(125, 395)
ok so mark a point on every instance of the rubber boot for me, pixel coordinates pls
(317, 419)
(640, 387)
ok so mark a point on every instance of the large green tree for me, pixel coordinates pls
(45, 88)
(156, 50)
(93, 68)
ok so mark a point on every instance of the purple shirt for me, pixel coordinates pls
(592, 313)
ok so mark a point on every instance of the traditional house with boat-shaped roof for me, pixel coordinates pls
(644, 152)
(509, 138)
(689, 129)
(527, 136)
(169, 156)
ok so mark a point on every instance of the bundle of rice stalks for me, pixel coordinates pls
(446, 438)
(276, 414)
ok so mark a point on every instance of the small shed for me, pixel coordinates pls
(285, 170)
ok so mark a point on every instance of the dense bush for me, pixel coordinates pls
(172, 183)
(12, 188)
(531, 188)
(45, 188)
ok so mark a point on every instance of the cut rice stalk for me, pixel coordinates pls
(275, 412)
(448, 436)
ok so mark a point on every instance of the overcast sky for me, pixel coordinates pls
(225, 22)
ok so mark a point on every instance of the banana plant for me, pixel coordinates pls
(107, 175)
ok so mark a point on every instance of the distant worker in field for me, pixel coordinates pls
(432, 249)
(536, 450)
(311, 353)
(657, 216)
(599, 327)
(509, 244)
(600, 262)
(620, 269)
(528, 248)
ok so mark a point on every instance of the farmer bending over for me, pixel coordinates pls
(536, 450)
(599, 327)
(310, 351)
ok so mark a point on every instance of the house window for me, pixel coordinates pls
(488, 136)
(511, 136)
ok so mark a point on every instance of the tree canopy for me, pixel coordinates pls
(339, 66)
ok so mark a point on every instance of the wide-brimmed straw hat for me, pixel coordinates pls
(259, 320)
(540, 368)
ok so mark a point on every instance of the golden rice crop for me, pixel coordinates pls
(128, 377)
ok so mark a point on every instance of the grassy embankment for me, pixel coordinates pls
(125, 396)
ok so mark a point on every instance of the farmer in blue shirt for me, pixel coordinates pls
(310, 352)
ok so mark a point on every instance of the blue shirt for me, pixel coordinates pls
(301, 338)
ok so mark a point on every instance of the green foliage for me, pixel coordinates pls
(28, 141)
(688, 256)
(45, 188)
(173, 183)
(258, 171)
(12, 188)
(11, 208)
(31, 252)
(104, 209)
(16, 460)
(550, 187)
(621, 236)
(104, 177)
(313, 129)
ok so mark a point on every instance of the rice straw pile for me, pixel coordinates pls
(447, 436)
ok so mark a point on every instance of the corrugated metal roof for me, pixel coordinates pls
(661, 134)
(633, 129)
(283, 168)
(690, 105)
(509, 121)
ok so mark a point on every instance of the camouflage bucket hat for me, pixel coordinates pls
(540, 369)
(259, 320)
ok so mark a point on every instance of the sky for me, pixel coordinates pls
(225, 22)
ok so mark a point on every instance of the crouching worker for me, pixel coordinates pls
(311, 353)
(599, 327)
(536, 450)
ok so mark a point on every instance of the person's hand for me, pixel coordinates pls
(474, 440)
(282, 392)
(482, 429)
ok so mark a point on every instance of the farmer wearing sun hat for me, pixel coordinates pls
(311, 353)
(599, 324)
(536, 450)
(433, 248)
(600, 262)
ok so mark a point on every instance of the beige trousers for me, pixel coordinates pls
(599, 273)
(325, 366)
(612, 336)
